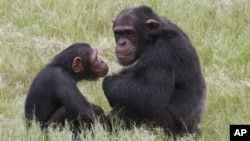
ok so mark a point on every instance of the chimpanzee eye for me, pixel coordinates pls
(129, 33)
(118, 34)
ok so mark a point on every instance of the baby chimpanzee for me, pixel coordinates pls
(53, 96)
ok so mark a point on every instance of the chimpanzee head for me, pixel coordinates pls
(131, 28)
(81, 61)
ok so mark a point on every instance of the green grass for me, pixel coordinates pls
(33, 31)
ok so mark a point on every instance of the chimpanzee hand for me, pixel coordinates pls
(97, 110)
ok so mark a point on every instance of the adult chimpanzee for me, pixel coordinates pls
(53, 96)
(162, 84)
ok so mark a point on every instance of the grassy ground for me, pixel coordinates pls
(33, 31)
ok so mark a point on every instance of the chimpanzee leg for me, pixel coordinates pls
(127, 116)
(58, 116)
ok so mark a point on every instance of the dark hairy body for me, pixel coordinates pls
(161, 83)
(53, 96)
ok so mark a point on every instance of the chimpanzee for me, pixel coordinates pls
(161, 83)
(53, 96)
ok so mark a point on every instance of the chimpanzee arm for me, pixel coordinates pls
(145, 93)
(72, 99)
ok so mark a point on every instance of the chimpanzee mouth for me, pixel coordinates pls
(125, 60)
(124, 57)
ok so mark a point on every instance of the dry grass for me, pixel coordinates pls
(33, 31)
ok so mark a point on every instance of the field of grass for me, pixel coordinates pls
(33, 31)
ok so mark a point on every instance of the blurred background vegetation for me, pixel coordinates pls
(33, 31)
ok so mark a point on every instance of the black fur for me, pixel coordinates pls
(164, 85)
(53, 96)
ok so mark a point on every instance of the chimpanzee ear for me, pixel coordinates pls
(77, 65)
(151, 24)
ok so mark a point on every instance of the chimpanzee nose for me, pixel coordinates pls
(121, 42)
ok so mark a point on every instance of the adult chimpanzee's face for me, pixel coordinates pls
(125, 46)
(130, 30)
(126, 40)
